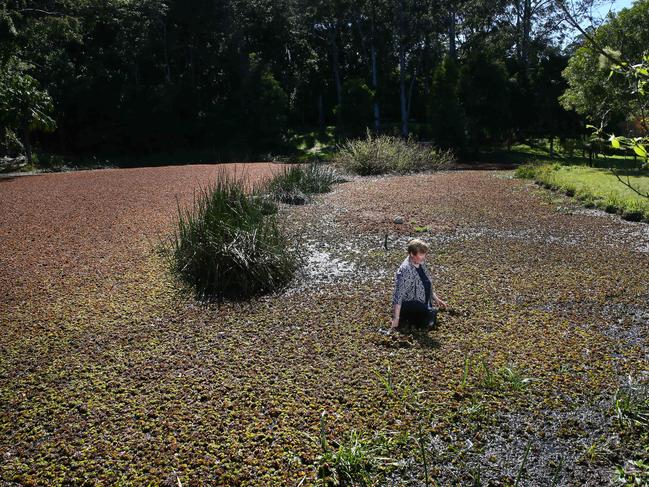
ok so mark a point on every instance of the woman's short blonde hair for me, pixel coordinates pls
(416, 246)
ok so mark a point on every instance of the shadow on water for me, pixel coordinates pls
(406, 337)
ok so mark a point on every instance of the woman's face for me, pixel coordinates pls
(418, 258)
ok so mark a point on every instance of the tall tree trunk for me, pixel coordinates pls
(551, 147)
(335, 64)
(402, 72)
(402, 95)
(410, 89)
(28, 144)
(192, 68)
(526, 32)
(321, 119)
(167, 68)
(375, 84)
(452, 49)
(375, 76)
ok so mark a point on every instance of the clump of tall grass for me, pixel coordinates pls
(294, 184)
(229, 244)
(387, 154)
(351, 463)
(502, 378)
(632, 405)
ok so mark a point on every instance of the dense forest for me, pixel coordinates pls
(146, 76)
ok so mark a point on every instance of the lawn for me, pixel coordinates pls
(597, 187)
(110, 374)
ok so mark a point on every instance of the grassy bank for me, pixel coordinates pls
(595, 187)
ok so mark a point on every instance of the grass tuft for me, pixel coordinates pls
(503, 378)
(294, 184)
(632, 405)
(230, 244)
(352, 463)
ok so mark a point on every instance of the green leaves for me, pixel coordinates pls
(640, 149)
(22, 102)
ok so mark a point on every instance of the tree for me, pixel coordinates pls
(24, 107)
(356, 110)
(485, 94)
(445, 111)
(591, 91)
(265, 106)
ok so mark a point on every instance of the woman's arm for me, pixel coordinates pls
(433, 297)
(438, 301)
(397, 297)
(396, 311)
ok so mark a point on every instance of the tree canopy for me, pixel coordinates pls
(136, 76)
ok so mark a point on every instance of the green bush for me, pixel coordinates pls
(296, 183)
(528, 170)
(387, 154)
(230, 244)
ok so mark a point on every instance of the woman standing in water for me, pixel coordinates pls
(414, 297)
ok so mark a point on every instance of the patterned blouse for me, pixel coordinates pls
(408, 285)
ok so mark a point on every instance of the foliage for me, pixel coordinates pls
(446, 112)
(230, 245)
(356, 109)
(243, 73)
(503, 378)
(632, 405)
(591, 91)
(624, 95)
(485, 91)
(24, 107)
(265, 107)
(634, 472)
(387, 154)
(637, 76)
(296, 183)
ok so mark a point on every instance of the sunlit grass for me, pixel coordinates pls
(596, 187)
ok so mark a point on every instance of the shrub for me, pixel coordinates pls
(526, 171)
(294, 184)
(230, 245)
(387, 154)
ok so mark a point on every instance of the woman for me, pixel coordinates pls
(413, 292)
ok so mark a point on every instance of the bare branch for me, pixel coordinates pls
(42, 12)
(628, 184)
(587, 36)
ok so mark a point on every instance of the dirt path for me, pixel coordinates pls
(109, 374)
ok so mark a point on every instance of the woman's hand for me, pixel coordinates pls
(395, 322)
(440, 303)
